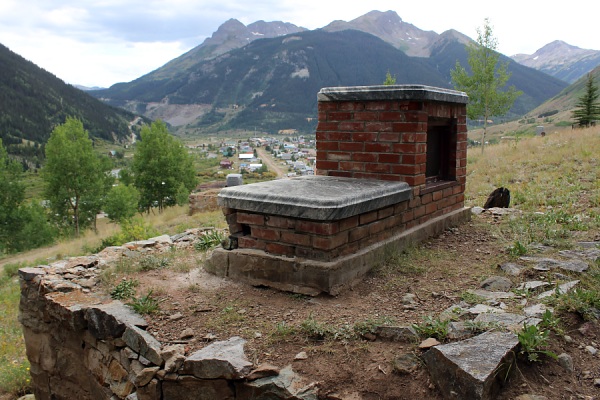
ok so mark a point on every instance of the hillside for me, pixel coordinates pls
(271, 84)
(561, 60)
(33, 101)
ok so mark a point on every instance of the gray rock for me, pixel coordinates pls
(428, 343)
(486, 294)
(187, 387)
(473, 368)
(561, 289)
(588, 254)
(187, 333)
(497, 284)
(143, 343)
(477, 210)
(397, 333)
(589, 245)
(566, 361)
(512, 269)
(506, 319)
(409, 298)
(530, 397)
(597, 382)
(263, 371)
(458, 330)
(545, 264)
(110, 320)
(174, 355)
(405, 364)
(532, 285)
(591, 349)
(482, 308)
(285, 385)
(219, 360)
(536, 310)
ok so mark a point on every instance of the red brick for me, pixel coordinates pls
(351, 126)
(339, 116)
(364, 136)
(336, 136)
(280, 249)
(430, 208)
(437, 195)
(265, 233)
(349, 223)
(408, 216)
(378, 127)
(327, 165)
(419, 211)
(365, 175)
(228, 211)
(359, 233)
(389, 137)
(366, 116)
(350, 106)
(351, 146)
(393, 178)
(328, 105)
(296, 239)
(421, 158)
(280, 222)
(409, 127)
(385, 212)
(352, 166)
(330, 242)
(327, 126)
(310, 253)
(426, 198)
(404, 148)
(404, 169)
(250, 219)
(323, 145)
(409, 159)
(395, 116)
(378, 147)
(368, 217)
(447, 192)
(379, 105)
(339, 156)
(411, 105)
(389, 158)
(365, 157)
(420, 137)
(246, 242)
(319, 228)
(376, 227)
(322, 155)
(400, 207)
(379, 168)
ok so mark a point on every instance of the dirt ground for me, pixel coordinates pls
(438, 273)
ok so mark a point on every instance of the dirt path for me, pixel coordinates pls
(272, 164)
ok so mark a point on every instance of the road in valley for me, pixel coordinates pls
(272, 164)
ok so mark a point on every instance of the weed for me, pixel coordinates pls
(581, 301)
(431, 327)
(145, 304)
(209, 239)
(152, 262)
(481, 326)
(314, 329)
(124, 290)
(471, 298)
(517, 249)
(283, 330)
(533, 341)
(551, 322)
(371, 325)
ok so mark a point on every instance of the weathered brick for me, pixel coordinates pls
(364, 136)
(327, 165)
(351, 146)
(351, 126)
(395, 116)
(323, 145)
(250, 219)
(247, 242)
(376, 227)
(280, 222)
(349, 223)
(296, 239)
(431, 208)
(367, 218)
(378, 147)
(327, 126)
(351, 106)
(389, 137)
(319, 228)
(359, 233)
(364, 157)
(352, 166)
(426, 198)
(339, 116)
(265, 233)
(379, 105)
(378, 127)
(339, 156)
(389, 158)
(366, 116)
(330, 242)
(378, 168)
(437, 195)
(385, 212)
(328, 105)
(280, 249)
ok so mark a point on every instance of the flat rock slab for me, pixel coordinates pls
(587, 254)
(323, 198)
(546, 264)
(488, 295)
(474, 368)
(220, 360)
(561, 289)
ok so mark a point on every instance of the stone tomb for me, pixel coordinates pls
(391, 168)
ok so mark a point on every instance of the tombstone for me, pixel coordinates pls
(498, 198)
(234, 180)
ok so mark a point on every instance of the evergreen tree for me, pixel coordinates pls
(76, 178)
(488, 77)
(588, 108)
(162, 168)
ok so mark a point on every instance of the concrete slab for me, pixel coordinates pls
(323, 198)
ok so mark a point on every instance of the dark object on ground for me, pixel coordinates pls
(498, 198)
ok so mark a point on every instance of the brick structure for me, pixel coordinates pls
(394, 135)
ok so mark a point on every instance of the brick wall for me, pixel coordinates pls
(372, 139)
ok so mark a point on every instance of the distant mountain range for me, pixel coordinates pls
(33, 102)
(561, 60)
(235, 81)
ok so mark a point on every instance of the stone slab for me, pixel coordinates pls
(311, 277)
(219, 360)
(323, 198)
(392, 92)
(473, 368)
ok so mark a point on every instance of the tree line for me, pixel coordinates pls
(78, 185)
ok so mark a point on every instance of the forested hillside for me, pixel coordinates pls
(33, 102)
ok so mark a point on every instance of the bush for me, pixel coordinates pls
(131, 230)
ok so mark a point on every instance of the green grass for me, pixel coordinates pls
(14, 366)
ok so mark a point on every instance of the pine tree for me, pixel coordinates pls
(587, 109)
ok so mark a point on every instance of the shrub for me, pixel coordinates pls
(533, 341)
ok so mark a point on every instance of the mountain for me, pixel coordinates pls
(272, 83)
(561, 60)
(389, 27)
(33, 102)
(229, 36)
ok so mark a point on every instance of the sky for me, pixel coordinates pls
(103, 42)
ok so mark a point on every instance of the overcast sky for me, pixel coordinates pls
(102, 42)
